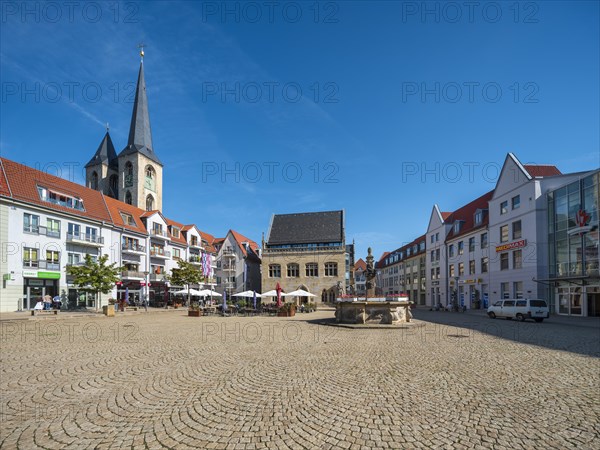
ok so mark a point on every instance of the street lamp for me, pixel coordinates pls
(146, 291)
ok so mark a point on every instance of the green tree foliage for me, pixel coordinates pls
(186, 274)
(95, 276)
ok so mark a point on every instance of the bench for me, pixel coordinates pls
(131, 308)
(37, 312)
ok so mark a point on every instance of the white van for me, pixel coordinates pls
(520, 309)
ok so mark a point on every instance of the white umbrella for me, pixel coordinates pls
(208, 292)
(299, 293)
(272, 293)
(194, 292)
(249, 294)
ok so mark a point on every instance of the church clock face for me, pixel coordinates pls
(149, 183)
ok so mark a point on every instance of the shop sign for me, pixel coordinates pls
(511, 246)
(30, 273)
(49, 275)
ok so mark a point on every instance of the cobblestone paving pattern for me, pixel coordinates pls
(172, 381)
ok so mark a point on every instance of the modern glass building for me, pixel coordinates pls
(573, 246)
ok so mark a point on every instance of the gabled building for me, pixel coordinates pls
(306, 251)
(360, 267)
(238, 264)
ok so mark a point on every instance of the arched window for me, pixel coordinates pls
(128, 174)
(94, 181)
(114, 186)
(150, 180)
(149, 203)
(128, 198)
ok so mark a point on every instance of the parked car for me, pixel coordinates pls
(520, 309)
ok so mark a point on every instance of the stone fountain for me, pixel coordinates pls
(373, 309)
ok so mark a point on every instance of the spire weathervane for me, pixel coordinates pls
(107, 127)
(141, 47)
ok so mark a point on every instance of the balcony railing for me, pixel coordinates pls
(228, 252)
(228, 267)
(82, 237)
(194, 243)
(195, 259)
(42, 264)
(132, 274)
(128, 247)
(159, 233)
(157, 277)
(41, 230)
(160, 253)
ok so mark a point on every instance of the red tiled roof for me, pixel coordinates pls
(466, 214)
(239, 238)
(539, 170)
(403, 249)
(116, 207)
(210, 240)
(445, 215)
(360, 265)
(4, 188)
(21, 183)
(180, 240)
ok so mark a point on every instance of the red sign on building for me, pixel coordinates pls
(511, 246)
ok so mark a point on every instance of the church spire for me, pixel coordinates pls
(140, 133)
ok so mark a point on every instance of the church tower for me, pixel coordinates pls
(140, 170)
(101, 172)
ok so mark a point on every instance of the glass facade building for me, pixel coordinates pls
(573, 247)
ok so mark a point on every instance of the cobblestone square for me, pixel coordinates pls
(165, 380)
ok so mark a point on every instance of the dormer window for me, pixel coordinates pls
(175, 232)
(478, 217)
(457, 226)
(127, 219)
(68, 201)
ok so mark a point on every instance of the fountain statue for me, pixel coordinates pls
(370, 275)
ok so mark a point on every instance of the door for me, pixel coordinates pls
(593, 305)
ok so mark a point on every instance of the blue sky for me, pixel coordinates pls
(379, 108)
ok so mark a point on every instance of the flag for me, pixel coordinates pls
(208, 264)
(278, 289)
(204, 264)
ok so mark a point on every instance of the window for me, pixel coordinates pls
(94, 181)
(484, 264)
(437, 254)
(331, 269)
(127, 219)
(90, 234)
(432, 238)
(52, 256)
(114, 186)
(451, 270)
(471, 244)
(504, 290)
(73, 230)
(503, 261)
(194, 241)
(518, 289)
(484, 240)
(456, 226)
(461, 247)
(451, 250)
(504, 233)
(176, 253)
(516, 202)
(516, 230)
(73, 259)
(432, 273)
(128, 181)
(461, 269)
(31, 223)
(128, 199)
(30, 257)
(175, 232)
(521, 303)
(472, 267)
(293, 270)
(517, 259)
(274, 271)
(437, 237)
(312, 270)
(437, 273)
(150, 179)
(157, 228)
(478, 217)
(504, 207)
(149, 203)
(432, 255)
(57, 198)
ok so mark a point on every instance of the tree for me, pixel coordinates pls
(95, 276)
(185, 275)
